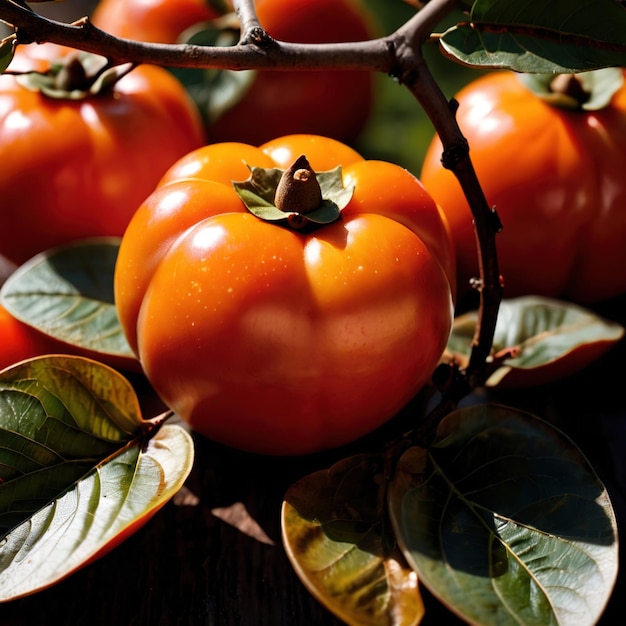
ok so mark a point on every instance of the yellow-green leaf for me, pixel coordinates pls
(333, 533)
(538, 340)
(80, 469)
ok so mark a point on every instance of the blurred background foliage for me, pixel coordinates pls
(398, 131)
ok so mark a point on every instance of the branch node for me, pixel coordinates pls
(495, 221)
(257, 38)
(405, 62)
(24, 37)
(395, 71)
(455, 153)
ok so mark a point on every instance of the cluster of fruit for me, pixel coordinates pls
(287, 336)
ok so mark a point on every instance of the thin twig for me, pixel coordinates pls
(251, 28)
(416, 76)
(371, 55)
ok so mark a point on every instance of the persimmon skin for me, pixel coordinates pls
(157, 21)
(330, 103)
(80, 168)
(283, 342)
(556, 179)
(19, 342)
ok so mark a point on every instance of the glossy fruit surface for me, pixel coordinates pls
(556, 178)
(20, 342)
(280, 341)
(79, 168)
(158, 21)
(330, 103)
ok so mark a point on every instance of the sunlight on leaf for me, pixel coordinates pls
(67, 293)
(506, 522)
(77, 471)
(563, 36)
(541, 340)
(102, 509)
(332, 524)
(59, 416)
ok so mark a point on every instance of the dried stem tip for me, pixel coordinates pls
(571, 86)
(298, 190)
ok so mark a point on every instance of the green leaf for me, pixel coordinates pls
(333, 535)
(259, 190)
(67, 293)
(506, 522)
(538, 340)
(59, 416)
(598, 87)
(78, 472)
(561, 36)
(7, 50)
(76, 76)
(105, 507)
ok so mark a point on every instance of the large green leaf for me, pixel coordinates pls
(536, 36)
(537, 340)
(506, 522)
(333, 533)
(78, 468)
(67, 293)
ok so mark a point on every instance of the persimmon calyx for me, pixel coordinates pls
(79, 75)
(585, 91)
(298, 190)
(297, 197)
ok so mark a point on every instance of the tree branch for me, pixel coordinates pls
(251, 29)
(372, 55)
(416, 76)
